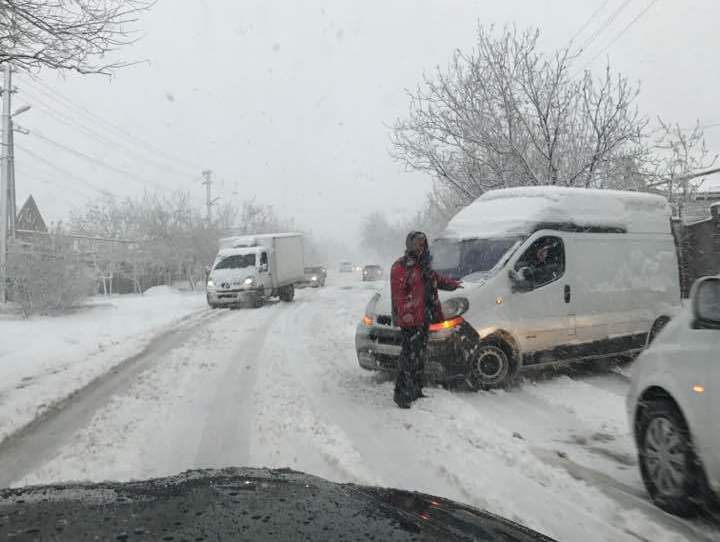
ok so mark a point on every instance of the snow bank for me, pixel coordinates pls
(514, 211)
(43, 360)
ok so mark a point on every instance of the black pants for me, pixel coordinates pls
(411, 366)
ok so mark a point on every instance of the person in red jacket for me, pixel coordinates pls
(415, 305)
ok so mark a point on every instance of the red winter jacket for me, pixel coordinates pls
(408, 299)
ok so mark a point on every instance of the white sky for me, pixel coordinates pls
(289, 101)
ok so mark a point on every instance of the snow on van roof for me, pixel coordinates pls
(512, 211)
(238, 241)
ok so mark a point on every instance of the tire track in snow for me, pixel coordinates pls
(37, 442)
(289, 414)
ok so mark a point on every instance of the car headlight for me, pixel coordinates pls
(210, 284)
(248, 281)
(313, 278)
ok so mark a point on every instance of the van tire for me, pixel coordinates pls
(287, 293)
(656, 328)
(490, 366)
(686, 500)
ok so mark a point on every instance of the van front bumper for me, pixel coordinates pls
(232, 297)
(378, 349)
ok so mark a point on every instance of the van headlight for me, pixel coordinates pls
(313, 278)
(211, 285)
(250, 281)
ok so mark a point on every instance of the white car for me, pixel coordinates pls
(674, 406)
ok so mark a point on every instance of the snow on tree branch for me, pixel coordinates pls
(74, 35)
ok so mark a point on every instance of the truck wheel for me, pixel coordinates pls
(489, 366)
(672, 474)
(287, 294)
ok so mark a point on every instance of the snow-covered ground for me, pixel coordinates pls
(280, 386)
(43, 360)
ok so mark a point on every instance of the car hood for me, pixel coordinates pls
(247, 504)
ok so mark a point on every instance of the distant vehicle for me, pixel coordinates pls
(346, 267)
(372, 272)
(251, 269)
(552, 275)
(314, 277)
(673, 406)
(214, 504)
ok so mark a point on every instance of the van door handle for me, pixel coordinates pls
(567, 293)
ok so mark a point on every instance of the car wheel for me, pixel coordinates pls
(490, 366)
(670, 470)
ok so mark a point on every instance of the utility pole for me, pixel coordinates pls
(12, 202)
(5, 179)
(209, 202)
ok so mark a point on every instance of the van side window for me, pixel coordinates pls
(545, 261)
(263, 260)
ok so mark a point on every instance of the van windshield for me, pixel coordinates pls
(236, 261)
(460, 259)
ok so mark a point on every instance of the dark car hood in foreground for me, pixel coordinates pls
(242, 504)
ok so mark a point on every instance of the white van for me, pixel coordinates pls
(551, 274)
(250, 269)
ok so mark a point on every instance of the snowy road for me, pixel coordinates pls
(280, 386)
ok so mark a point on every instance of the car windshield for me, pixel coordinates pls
(537, 180)
(459, 259)
(236, 261)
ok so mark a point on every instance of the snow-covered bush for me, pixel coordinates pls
(48, 281)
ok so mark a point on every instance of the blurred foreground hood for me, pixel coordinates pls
(242, 504)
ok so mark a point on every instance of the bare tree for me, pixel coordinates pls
(508, 115)
(680, 155)
(66, 34)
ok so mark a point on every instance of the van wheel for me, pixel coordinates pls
(670, 470)
(490, 366)
(656, 328)
(287, 294)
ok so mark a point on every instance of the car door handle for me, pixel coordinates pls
(567, 293)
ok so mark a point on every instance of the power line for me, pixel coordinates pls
(609, 21)
(625, 29)
(65, 172)
(70, 122)
(128, 175)
(118, 129)
(588, 21)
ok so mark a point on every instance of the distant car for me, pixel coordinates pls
(244, 504)
(314, 277)
(673, 406)
(372, 272)
(346, 267)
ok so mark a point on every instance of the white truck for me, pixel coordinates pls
(250, 269)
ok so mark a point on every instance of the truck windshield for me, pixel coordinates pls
(236, 261)
(459, 259)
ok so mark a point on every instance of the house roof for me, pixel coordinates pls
(29, 217)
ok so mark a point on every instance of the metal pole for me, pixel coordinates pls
(4, 179)
(12, 202)
(207, 175)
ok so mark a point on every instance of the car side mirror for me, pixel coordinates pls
(706, 303)
(521, 279)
